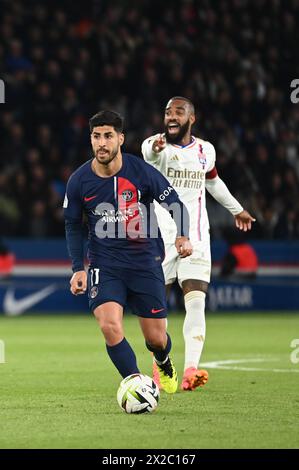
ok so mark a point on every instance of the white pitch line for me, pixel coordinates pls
(253, 369)
(225, 365)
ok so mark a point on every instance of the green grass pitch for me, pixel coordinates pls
(58, 387)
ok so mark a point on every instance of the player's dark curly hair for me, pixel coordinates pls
(184, 99)
(107, 118)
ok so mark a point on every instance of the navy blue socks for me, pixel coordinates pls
(161, 355)
(123, 357)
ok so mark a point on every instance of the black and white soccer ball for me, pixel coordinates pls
(137, 394)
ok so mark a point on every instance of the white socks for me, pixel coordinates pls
(194, 328)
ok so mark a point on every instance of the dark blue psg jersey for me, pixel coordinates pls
(122, 224)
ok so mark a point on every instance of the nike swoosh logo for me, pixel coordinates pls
(13, 307)
(89, 198)
(157, 311)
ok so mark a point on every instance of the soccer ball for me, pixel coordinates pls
(137, 394)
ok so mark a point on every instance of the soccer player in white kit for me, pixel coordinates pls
(188, 163)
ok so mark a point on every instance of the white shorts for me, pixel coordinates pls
(197, 266)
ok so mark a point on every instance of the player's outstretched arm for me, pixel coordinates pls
(152, 150)
(244, 221)
(159, 144)
(218, 189)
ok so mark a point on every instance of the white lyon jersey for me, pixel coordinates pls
(186, 168)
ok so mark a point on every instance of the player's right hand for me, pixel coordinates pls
(244, 221)
(78, 283)
(159, 144)
(183, 246)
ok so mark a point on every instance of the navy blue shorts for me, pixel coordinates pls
(142, 291)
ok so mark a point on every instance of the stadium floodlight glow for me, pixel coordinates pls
(2, 352)
(2, 92)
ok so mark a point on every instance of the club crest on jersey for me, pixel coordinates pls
(127, 195)
(202, 158)
(93, 292)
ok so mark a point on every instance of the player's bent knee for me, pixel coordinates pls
(110, 326)
(112, 332)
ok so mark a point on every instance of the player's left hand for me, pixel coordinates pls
(244, 221)
(183, 246)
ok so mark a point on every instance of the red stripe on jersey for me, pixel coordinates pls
(128, 206)
(211, 174)
(199, 217)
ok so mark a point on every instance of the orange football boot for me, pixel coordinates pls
(156, 376)
(194, 378)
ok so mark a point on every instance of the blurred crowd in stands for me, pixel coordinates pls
(62, 61)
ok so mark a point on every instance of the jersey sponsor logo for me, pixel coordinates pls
(175, 158)
(154, 310)
(14, 307)
(127, 195)
(165, 193)
(185, 174)
(86, 199)
(112, 215)
(188, 179)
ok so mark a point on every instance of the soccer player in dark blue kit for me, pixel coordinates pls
(115, 191)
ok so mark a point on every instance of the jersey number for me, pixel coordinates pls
(94, 276)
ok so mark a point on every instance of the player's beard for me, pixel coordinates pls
(107, 158)
(176, 138)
